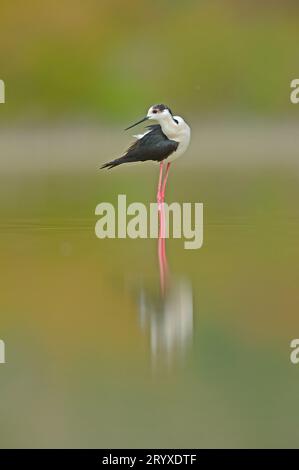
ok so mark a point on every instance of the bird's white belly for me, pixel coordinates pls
(179, 133)
(182, 147)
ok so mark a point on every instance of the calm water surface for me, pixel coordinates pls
(97, 357)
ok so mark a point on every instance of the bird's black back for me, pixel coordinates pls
(152, 146)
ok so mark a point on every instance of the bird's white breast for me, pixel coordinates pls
(180, 133)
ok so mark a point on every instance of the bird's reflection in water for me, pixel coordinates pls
(169, 317)
(168, 320)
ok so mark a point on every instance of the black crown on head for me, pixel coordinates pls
(161, 107)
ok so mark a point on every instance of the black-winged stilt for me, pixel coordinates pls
(167, 140)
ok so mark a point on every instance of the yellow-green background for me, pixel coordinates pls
(80, 371)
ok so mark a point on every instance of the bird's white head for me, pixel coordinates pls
(159, 112)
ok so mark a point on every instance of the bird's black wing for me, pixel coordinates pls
(152, 146)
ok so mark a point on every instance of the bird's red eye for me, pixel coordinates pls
(155, 111)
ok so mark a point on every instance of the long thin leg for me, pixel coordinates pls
(165, 181)
(159, 192)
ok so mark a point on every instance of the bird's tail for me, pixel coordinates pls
(113, 163)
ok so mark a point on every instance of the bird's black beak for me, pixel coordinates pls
(136, 123)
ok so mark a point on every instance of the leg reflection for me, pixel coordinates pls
(163, 266)
(169, 316)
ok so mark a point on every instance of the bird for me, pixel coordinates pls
(165, 141)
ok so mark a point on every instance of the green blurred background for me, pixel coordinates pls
(110, 59)
(95, 357)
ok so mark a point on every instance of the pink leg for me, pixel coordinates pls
(165, 181)
(159, 192)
